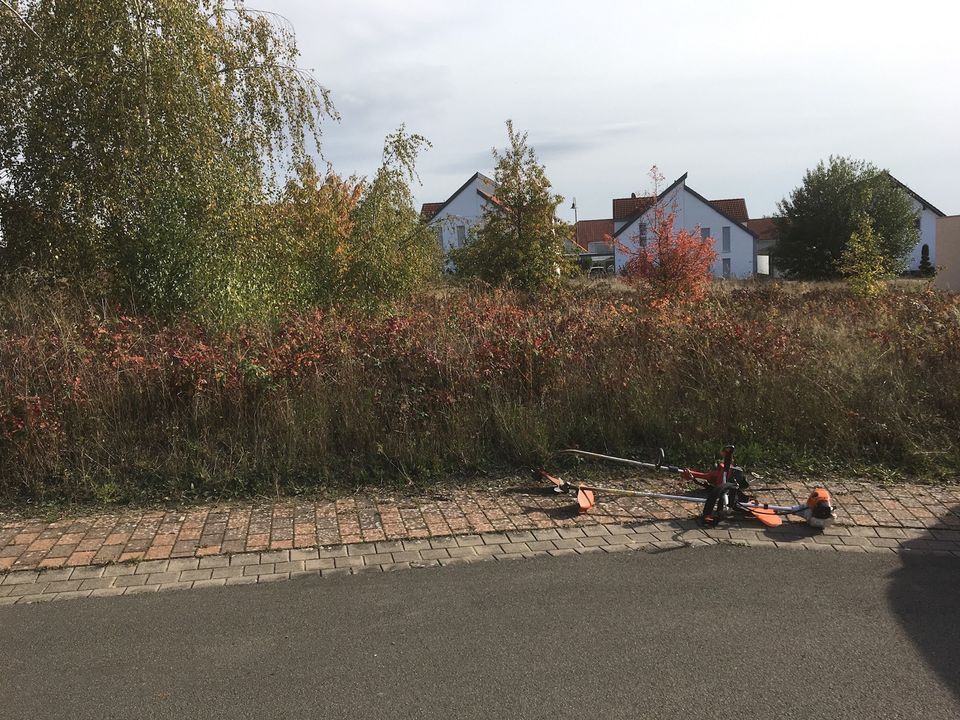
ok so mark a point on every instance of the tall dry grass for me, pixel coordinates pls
(97, 404)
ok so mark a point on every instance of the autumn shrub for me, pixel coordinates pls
(667, 261)
(96, 403)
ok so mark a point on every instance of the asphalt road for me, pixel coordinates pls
(713, 633)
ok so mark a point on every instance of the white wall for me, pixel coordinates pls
(465, 209)
(928, 235)
(690, 213)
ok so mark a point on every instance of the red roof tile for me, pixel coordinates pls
(765, 228)
(589, 231)
(625, 207)
(735, 208)
(430, 209)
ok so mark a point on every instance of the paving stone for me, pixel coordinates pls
(393, 567)
(447, 541)
(434, 554)
(76, 595)
(521, 537)
(291, 566)
(175, 586)
(568, 533)
(494, 539)
(548, 534)
(389, 546)
(462, 552)
(245, 580)
(214, 561)
(20, 577)
(55, 575)
(192, 575)
(319, 564)
(593, 541)
(101, 583)
(151, 566)
(562, 552)
(406, 556)
(64, 586)
(416, 544)
(219, 582)
(541, 545)
(245, 559)
(274, 556)
(162, 578)
(378, 558)
(515, 547)
(348, 562)
(26, 589)
(469, 540)
(480, 550)
(304, 554)
(183, 564)
(596, 531)
(255, 570)
(332, 552)
(130, 580)
(119, 570)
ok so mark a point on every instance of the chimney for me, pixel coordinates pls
(633, 196)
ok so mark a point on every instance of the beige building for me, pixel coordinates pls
(948, 253)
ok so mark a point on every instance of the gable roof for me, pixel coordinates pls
(919, 199)
(730, 209)
(430, 210)
(643, 207)
(588, 231)
(735, 208)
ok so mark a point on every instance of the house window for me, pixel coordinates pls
(726, 267)
(725, 243)
(642, 234)
(461, 235)
(704, 233)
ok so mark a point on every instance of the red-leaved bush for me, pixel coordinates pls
(102, 404)
(671, 262)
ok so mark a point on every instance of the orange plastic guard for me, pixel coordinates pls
(585, 499)
(555, 480)
(767, 517)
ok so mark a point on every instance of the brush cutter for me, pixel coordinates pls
(725, 486)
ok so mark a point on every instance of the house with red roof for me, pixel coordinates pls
(459, 215)
(725, 221)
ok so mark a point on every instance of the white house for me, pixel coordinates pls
(454, 218)
(927, 216)
(722, 220)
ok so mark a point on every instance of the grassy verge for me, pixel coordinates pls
(105, 407)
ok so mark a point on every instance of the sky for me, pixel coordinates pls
(743, 95)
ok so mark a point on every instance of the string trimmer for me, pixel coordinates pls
(725, 484)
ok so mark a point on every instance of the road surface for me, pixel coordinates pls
(718, 632)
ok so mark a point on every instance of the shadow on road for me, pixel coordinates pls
(924, 595)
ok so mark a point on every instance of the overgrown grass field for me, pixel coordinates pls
(99, 405)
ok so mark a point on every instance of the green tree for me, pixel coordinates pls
(520, 242)
(926, 268)
(864, 261)
(390, 251)
(818, 219)
(141, 139)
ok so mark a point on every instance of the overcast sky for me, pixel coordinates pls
(742, 94)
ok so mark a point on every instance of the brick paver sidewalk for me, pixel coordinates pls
(227, 544)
